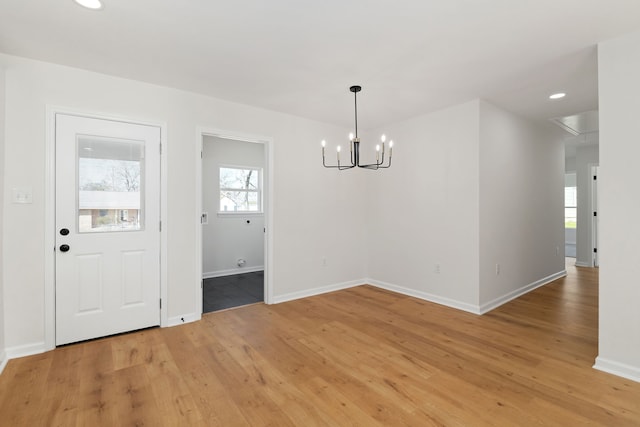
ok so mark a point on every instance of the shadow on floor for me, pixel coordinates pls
(232, 291)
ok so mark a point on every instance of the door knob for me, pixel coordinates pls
(64, 231)
(64, 248)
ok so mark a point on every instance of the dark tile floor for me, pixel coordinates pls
(232, 291)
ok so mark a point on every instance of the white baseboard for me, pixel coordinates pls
(231, 272)
(317, 291)
(485, 308)
(459, 305)
(3, 360)
(582, 264)
(25, 350)
(182, 319)
(616, 368)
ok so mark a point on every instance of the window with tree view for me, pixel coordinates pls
(109, 184)
(240, 189)
(570, 207)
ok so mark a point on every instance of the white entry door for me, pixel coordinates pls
(107, 227)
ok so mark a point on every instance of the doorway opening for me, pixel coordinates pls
(233, 207)
(570, 214)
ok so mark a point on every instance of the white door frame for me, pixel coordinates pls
(593, 206)
(50, 217)
(201, 132)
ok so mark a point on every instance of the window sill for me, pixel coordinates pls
(234, 214)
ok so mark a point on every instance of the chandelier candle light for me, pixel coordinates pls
(354, 146)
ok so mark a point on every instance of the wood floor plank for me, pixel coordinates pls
(22, 385)
(170, 390)
(358, 357)
(191, 357)
(132, 401)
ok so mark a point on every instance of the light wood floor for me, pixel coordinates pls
(362, 357)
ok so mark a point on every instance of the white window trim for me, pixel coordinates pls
(235, 214)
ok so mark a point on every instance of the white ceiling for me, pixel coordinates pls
(300, 57)
(579, 124)
(583, 130)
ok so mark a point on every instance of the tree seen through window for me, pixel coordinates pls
(240, 190)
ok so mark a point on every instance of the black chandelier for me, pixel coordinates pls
(354, 146)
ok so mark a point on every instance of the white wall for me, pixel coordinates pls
(475, 186)
(423, 211)
(313, 208)
(570, 179)
(585, 158)
(2, 129)
(521, 205)
(570, 164)
(619, 174)
(228, 237)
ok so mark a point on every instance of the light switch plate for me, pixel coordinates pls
(22, 195)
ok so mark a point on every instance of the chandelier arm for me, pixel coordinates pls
(387, 166)
(341, 167)
(338, 166)
(356, 153)
(355, 104)
(374, 166)
(353, 157)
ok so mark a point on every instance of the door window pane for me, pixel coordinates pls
(110, 183)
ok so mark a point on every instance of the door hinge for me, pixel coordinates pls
(160, 226)
(595, 177)
(595, 250)
(160, 148)
(595, 214)
(160, 303)
(201, 156)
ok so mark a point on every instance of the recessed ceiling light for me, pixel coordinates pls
(90, 4)
(557, 95)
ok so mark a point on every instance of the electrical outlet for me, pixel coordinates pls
(436, 269)
(497, 269)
